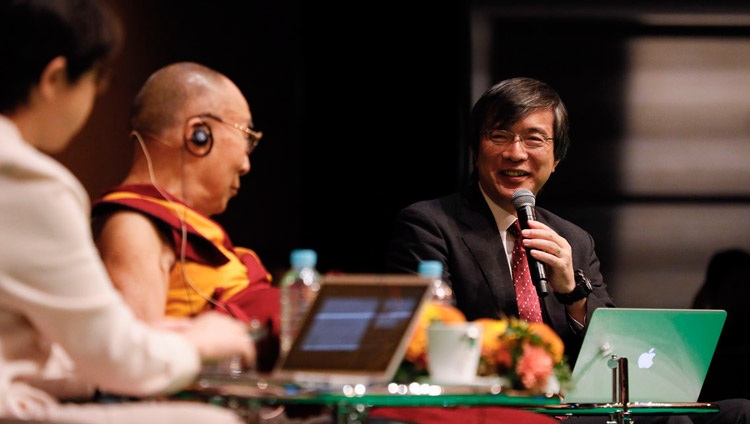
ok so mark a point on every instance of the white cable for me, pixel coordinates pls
(183, 224)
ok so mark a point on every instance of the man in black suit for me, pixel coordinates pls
(519, 137)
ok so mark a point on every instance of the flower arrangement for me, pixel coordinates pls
(529, 356)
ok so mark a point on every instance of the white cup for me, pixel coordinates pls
(453, 351)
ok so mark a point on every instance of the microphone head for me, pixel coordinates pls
(523, 197)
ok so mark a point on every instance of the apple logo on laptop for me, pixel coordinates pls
(646, 360)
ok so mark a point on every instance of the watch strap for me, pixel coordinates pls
(583, 289)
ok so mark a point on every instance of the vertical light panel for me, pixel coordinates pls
(687, 136)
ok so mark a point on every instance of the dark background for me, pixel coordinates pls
(361, 108)
(364, 105)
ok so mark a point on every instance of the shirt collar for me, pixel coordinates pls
(502, 218)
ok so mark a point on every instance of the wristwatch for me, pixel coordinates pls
(583, 289)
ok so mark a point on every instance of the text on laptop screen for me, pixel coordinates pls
(354, 327)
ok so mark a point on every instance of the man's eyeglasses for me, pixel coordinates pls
(506, 138)
(252, 137)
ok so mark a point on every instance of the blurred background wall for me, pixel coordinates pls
(659, 99)
(363, 109)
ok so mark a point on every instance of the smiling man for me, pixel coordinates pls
(519, 137)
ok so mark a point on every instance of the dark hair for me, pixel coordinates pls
(510, 100)
(33, 32)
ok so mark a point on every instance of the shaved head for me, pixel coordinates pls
(174, 93)
(174, 104)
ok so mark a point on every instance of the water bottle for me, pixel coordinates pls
(299, 286)
(441, 291)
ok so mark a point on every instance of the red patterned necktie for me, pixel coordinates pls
(526, 296)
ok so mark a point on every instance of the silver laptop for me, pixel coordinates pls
(356, 331)
(668, 352)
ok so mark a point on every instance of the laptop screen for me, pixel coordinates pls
(668, 353)
(358, 325)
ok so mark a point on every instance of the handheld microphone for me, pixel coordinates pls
(523, 202)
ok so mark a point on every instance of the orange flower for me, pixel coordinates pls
(550, 338)
(503, 359)
(492, 329)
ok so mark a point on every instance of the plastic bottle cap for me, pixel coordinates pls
(431, 268)
(301, 258)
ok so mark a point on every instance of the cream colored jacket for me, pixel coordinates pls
(64, 329)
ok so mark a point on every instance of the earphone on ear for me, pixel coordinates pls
(200, 136)
(200, 141)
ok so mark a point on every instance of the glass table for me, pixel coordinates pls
(247, 395)
(250, 395)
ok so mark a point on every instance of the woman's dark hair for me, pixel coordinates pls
(510, 100)
(33, 32)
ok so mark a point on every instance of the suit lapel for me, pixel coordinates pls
(482, 239)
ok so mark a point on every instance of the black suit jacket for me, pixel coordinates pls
(460, 231)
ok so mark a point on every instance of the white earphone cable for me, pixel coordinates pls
(183, 225)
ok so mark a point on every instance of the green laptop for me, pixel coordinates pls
(668, 352)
